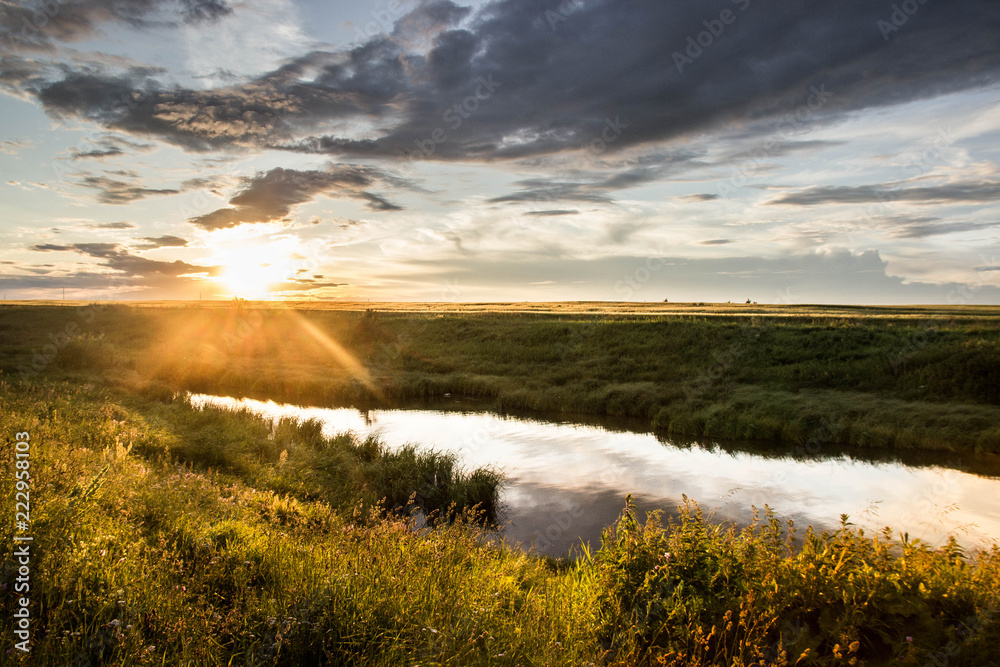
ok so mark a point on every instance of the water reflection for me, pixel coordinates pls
(568, 480)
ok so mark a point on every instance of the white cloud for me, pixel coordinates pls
(254, 39)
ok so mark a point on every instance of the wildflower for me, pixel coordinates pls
(103, 552)
(909, 639)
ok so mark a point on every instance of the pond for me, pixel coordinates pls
(567, 480)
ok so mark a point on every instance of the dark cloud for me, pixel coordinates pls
(511, 82)
(38, 24)
(139, 270)
(701, 197)
(98, 153)
(270, 196)
(113, 191)
(716, 242)
(961, 192)
(427, 20)
(553, 212)
(162, 242)
(109, 145)
(199, 11)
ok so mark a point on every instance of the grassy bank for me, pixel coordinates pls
(169, 535)
(809, 377)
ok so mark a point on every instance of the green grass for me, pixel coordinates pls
(170, 535)
(166, 534)
(919, 378)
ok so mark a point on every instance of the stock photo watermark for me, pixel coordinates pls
(714, 29)
(562, 12)
(22, 540)
(900, 15)
(42, 357)
(792, 123)
(455, 115)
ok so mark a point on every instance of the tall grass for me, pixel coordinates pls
(928, 381)
(154, 549)
(169, 535)
(693, 594)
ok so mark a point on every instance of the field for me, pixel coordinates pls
(169, 535)
(920, 377)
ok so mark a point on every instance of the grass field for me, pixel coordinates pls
(905, 377)
(169, 535)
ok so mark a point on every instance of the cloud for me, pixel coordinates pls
(37, 24)
(552, 212)
(620, 233)
(270, 196)
(198, 11)
(50, 247)
(139, 270)
(962, 192)
(508, 83)
(113, 191)
(112, 225)
(540, 190)
(110, 145)
(162, 242)
(919, 228)
(716, 242)
(701, 197)
(597, 184)
(14, 146)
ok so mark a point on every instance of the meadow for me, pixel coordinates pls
(165, 534)
(919, 377)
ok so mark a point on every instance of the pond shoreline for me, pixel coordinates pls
(567, 480)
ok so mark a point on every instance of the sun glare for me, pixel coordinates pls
(253, 271)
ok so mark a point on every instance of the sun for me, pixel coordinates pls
(251, 271)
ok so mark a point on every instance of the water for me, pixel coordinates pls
(568, 480)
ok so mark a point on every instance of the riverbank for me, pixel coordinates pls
(164, 534)
(807, 376)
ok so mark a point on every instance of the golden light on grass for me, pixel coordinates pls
(337, 351)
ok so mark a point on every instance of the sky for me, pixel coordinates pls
(790, 151)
